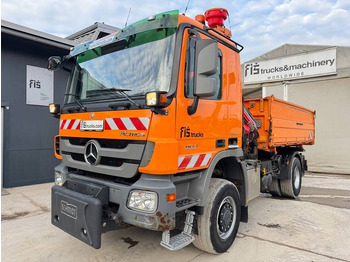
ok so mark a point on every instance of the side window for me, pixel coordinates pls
(189, 72)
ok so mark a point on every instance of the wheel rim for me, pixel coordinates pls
(296, 177)
(226, 217)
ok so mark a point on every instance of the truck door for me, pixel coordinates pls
(203, 133)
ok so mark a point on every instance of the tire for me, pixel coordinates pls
(212, 238)
(291, 187)
(275, 188)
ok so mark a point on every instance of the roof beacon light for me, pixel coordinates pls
(216, 17)
(200, 19)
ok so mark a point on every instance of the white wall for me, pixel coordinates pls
(331, 100)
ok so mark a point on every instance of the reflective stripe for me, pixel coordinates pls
(128, 124)
(111, 123)
(66, 124)
(187, 162)
(76, 123)
(119, 123)
(145, 121)
(193, 161)
(206, 160)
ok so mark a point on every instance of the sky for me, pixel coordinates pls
(260, 25)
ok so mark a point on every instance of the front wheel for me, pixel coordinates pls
(218, 226)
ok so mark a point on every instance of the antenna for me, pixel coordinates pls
(229, 21)
(188, 2)
(127, 19)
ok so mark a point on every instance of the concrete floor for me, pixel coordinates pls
(316, 227)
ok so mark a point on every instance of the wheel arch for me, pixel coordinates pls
(285, 173)
(237, 174)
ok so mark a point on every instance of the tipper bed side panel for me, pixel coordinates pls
(282, 123)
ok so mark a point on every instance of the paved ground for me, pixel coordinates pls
(314, 228)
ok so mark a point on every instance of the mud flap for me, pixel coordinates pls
(77, 214)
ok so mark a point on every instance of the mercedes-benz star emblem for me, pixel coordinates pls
(91, 153)
(92, 115)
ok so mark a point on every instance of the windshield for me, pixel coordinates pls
(133, 66)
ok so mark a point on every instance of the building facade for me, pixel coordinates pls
(318, 78)
(27, 87)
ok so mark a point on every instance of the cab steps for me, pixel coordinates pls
(181, 240)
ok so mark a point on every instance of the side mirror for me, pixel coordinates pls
(54, 63)
(206, 66)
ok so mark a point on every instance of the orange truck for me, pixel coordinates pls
(153, 133)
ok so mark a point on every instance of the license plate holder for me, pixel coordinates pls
(92, 125)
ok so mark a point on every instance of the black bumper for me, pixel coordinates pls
(77, 214)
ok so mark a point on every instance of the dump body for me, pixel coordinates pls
(281, 123)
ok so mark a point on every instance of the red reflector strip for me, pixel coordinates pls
(70, 124)
(127, 123)
(187, 162)
(137, 123)
(119, 124)
(199, 160)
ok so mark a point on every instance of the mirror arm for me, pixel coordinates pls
(66, 69)
(56, 115)
(193, 108)
(194, 32)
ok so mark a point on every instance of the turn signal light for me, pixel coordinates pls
(170, 197)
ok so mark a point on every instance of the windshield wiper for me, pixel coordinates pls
(118, 90)
(122, 91)
(82, 107)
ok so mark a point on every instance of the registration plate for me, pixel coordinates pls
(68, 209)
(91, 125)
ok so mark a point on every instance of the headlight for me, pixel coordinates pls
(54, 108)
(144, 201)
(60, 179)
(156, 99)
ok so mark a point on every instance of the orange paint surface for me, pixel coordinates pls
(282, 123)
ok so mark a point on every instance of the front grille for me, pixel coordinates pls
(76, 157)
(105, 143)
(118, 158)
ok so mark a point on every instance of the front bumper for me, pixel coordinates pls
(79, 208)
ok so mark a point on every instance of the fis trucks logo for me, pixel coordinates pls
(186, 132)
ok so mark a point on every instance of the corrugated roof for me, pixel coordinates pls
(93, 32)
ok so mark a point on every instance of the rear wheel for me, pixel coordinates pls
(275, 188)
(218, 226)
(292, 186)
